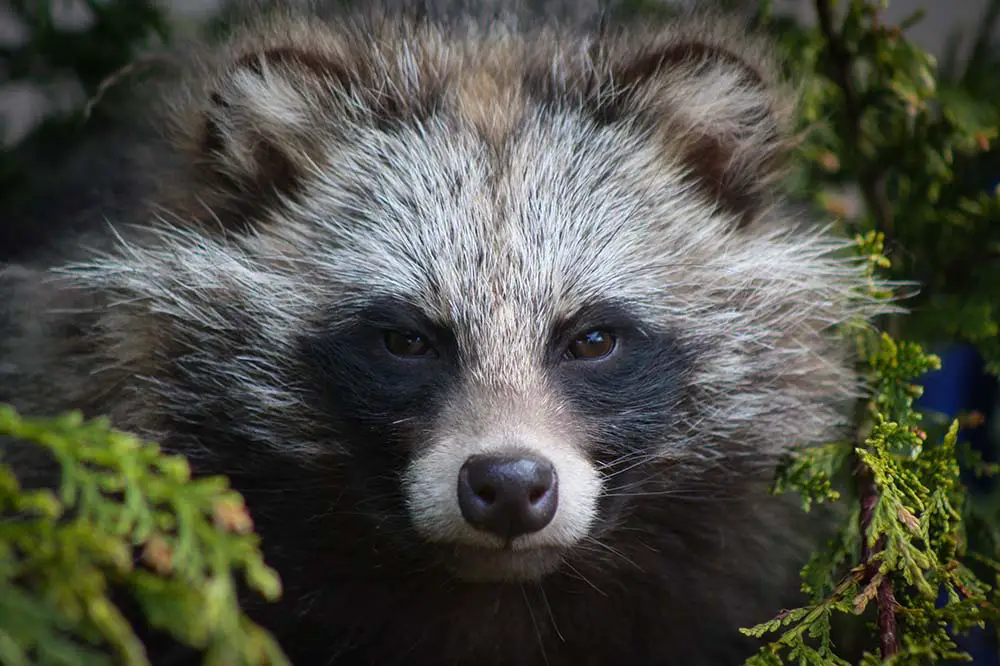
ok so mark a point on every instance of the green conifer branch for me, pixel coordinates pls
(873, 186)
(874, 116)
(125, 516)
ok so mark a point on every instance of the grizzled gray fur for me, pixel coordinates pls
(500, 325)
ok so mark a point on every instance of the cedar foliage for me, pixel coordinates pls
(916, 557)
(61, 553)
(879, 116)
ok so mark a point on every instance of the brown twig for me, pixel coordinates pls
(885, 600)
(119, 75)
(873, 188)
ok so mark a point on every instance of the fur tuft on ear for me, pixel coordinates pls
(258, 116)
(711, 94)
(243, 121)
(254, 116)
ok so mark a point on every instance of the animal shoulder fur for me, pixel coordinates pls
(498, 190)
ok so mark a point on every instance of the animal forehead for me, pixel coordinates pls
(439, 216)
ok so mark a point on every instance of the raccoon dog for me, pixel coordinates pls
(500, 326)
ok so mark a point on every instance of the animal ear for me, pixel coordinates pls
(267, 111)
(711, 96)
(254, 130)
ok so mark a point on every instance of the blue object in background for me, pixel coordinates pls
(962, 385)
(949, 389)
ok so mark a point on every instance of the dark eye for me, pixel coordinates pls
(592, 345)
(408, 344)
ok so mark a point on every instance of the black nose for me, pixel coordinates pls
(508, 495)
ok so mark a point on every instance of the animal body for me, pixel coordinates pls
(500, 326)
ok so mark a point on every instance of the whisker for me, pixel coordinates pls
(615, 551)
(622, 459)
(580, 576)
(548, 607)
(534, 622)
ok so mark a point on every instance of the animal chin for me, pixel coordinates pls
(490, 565)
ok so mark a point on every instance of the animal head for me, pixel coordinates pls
(518, 283)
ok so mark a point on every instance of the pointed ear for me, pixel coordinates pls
(269, 108)
(710, 94)
(252, 136)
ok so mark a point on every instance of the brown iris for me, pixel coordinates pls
(592, 345)
(408, 344)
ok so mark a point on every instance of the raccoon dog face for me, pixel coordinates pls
(501, 358)
(518, 292)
